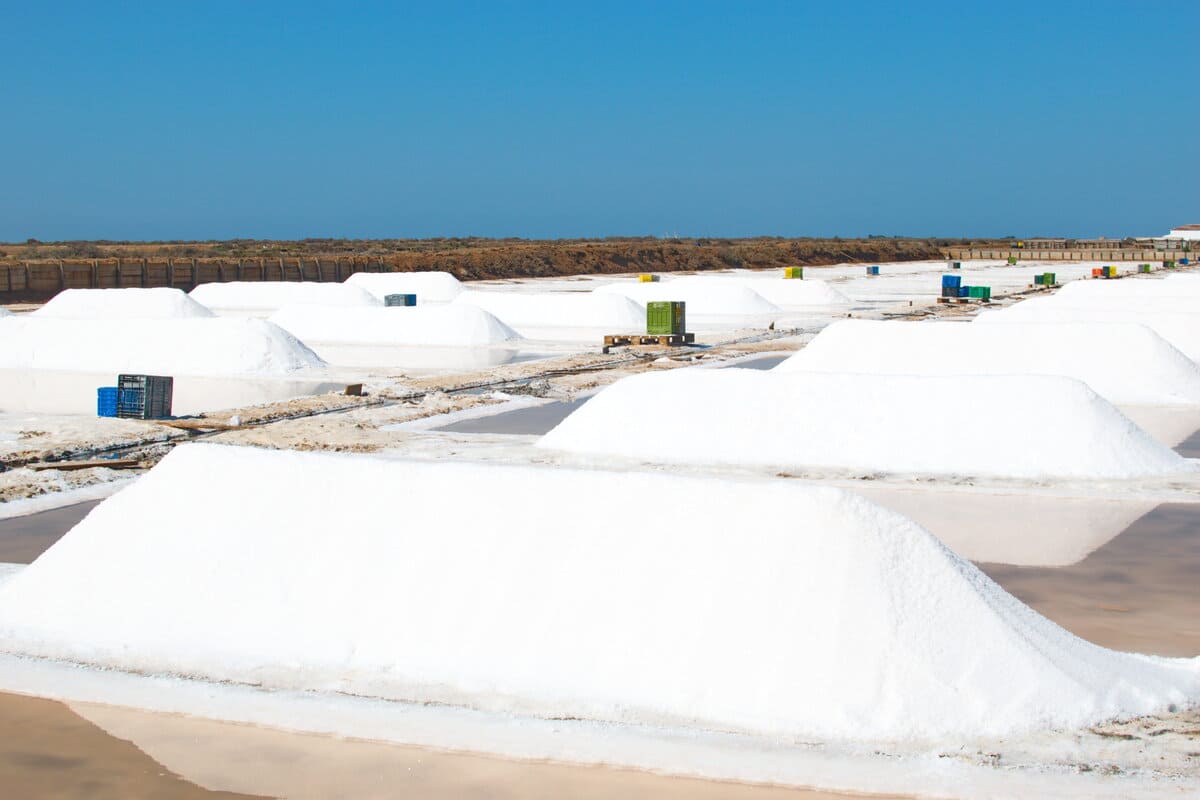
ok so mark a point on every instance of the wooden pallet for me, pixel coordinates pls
(962, 300)
(648, 340)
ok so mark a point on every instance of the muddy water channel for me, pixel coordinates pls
(84, 750)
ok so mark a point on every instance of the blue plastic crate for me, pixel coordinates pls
(951, 281)
(964, 291)
(400, 300)
(872, 270)
(106, 401)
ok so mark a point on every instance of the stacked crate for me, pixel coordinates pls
(950, 285)
(106, 401)
(1144, 268)
(399, 299)
(793, 272)
(666, 318)
(873, 270)
(647, 277)
(144, 396)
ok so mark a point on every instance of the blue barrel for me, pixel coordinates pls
(106, 401)
(951, 281)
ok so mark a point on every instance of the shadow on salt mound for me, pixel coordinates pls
(437, 326)
(895, 424)
(270, 296)
(1181, 328)
(704, 296)
(559, 310)
(764, 607)
(160, 303)
(1123, 363)
(429, 287)
(212, 346)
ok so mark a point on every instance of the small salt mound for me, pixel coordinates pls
(1089, 291)
(1123, 363)
(212, 346)
(270, 296)
(429, 287)
(765, 607)
(874, 423)
(160, 303)
(559, 310)
(1179, 327)
(438, 325)
(705, 296)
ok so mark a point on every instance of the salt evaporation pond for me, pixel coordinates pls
(856, 423)
(847, 622)
(1124, 363)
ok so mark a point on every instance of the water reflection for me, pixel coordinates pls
(1019, 529)
(51, 392)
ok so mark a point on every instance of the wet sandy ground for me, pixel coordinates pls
(49, 749)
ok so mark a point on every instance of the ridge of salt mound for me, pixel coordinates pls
(1174, 286)
(775, 290)
(1181, 328)
(766, 607)
(704, 296)
(436, 325)
(201, 346)
(129, 303)
(1123, 363)
(429, 287)
(558, 309)
(270, 296)
(877, 423)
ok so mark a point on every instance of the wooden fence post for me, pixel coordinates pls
(320, 277)
(238, 273)
(171, 272)
(221, 270)
(95, 274)
(194, 273)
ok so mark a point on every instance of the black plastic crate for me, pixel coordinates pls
(144, 396)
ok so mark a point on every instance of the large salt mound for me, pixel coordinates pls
(1123, 363)
(873, 423)
(1177, 286)
(1180, 328)
(775, 290)
(4, 312)
(705, 296)
(429, 287)
(159, 303)
(758, 606)
(559, 310)
(438, 325)
(211, 346)
(270, 296)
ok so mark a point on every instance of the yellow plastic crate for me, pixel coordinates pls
(646, 277)
(793, 272)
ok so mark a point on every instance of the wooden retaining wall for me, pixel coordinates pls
(43, 278)
(1080, 254)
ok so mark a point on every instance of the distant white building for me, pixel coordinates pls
(1189, 232)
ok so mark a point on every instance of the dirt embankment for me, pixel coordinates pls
(479, 259)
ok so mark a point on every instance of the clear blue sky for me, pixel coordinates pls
(285, 120)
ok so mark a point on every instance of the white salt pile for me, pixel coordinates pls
(266, 297)
(764, 607)
(1174, 286)
(429, 287)
(161, 303)
(799, 293)
(705, 296)
(4, 312)
(559, 311)
(1028, 427)
(1180, 328)
(1123, 363)
(452, 325)
(211, 346)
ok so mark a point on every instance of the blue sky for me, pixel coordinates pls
(286, 120)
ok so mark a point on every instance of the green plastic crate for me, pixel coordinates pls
(793, 272)
(1012, 260)
(1039, 280)
(665, 317)
(1169, 264)
(1049, 278)
(1143, 268)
